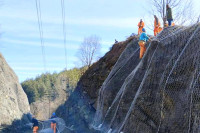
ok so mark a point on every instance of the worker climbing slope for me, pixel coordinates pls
(53, 122)
(140, 26)
(169, 15)
(157, 26)
(142, 42)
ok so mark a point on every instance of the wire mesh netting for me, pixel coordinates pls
(158, 94)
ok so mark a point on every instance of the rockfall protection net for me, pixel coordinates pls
(158, 94)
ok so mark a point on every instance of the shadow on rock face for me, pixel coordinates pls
(18, 126)
(77, 112)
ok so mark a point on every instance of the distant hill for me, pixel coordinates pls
(49, 84)
(48, 91)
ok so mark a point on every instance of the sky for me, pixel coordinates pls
(20, 38)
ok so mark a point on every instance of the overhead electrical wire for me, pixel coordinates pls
(40, 26)
(64, 30)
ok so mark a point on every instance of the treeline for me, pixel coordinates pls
(48, 85)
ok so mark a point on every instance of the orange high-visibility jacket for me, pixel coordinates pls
(156, 25)
(141, 24)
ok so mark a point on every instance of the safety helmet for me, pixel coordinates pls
(53, 113)
(143, 30)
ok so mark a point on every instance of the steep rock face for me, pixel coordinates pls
(79, 109)
(159, 93)
(13, 100)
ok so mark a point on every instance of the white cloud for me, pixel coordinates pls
(120, 22)
(106, 22)
(38, 44)
(24, 73)
(36, 68)
(51, 36)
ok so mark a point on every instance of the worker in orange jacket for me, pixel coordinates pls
(142, 42)
(140, 26)
(157, 27)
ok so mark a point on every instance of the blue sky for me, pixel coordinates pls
(20, 42)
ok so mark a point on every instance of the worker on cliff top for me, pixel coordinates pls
(53, 122)
(35, 124)
(142, 41)
(166, 24)
(116, 41)
(169, 15)
(157, 27)
(140, 26)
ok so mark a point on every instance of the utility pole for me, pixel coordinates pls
(48, 96)
(49, 107)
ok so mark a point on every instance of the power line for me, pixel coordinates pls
(40, 26)
(64, 29)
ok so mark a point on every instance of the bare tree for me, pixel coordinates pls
(89, 49)
(182, 10)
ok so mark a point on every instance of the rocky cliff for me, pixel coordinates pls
(159, 93)
(79, 109)
(13, 100)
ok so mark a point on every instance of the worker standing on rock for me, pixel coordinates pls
(53, 122)
(35, 124)
(169, 15)
(116, 41)
(157, 27)
(142, 41)
(140, 26)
